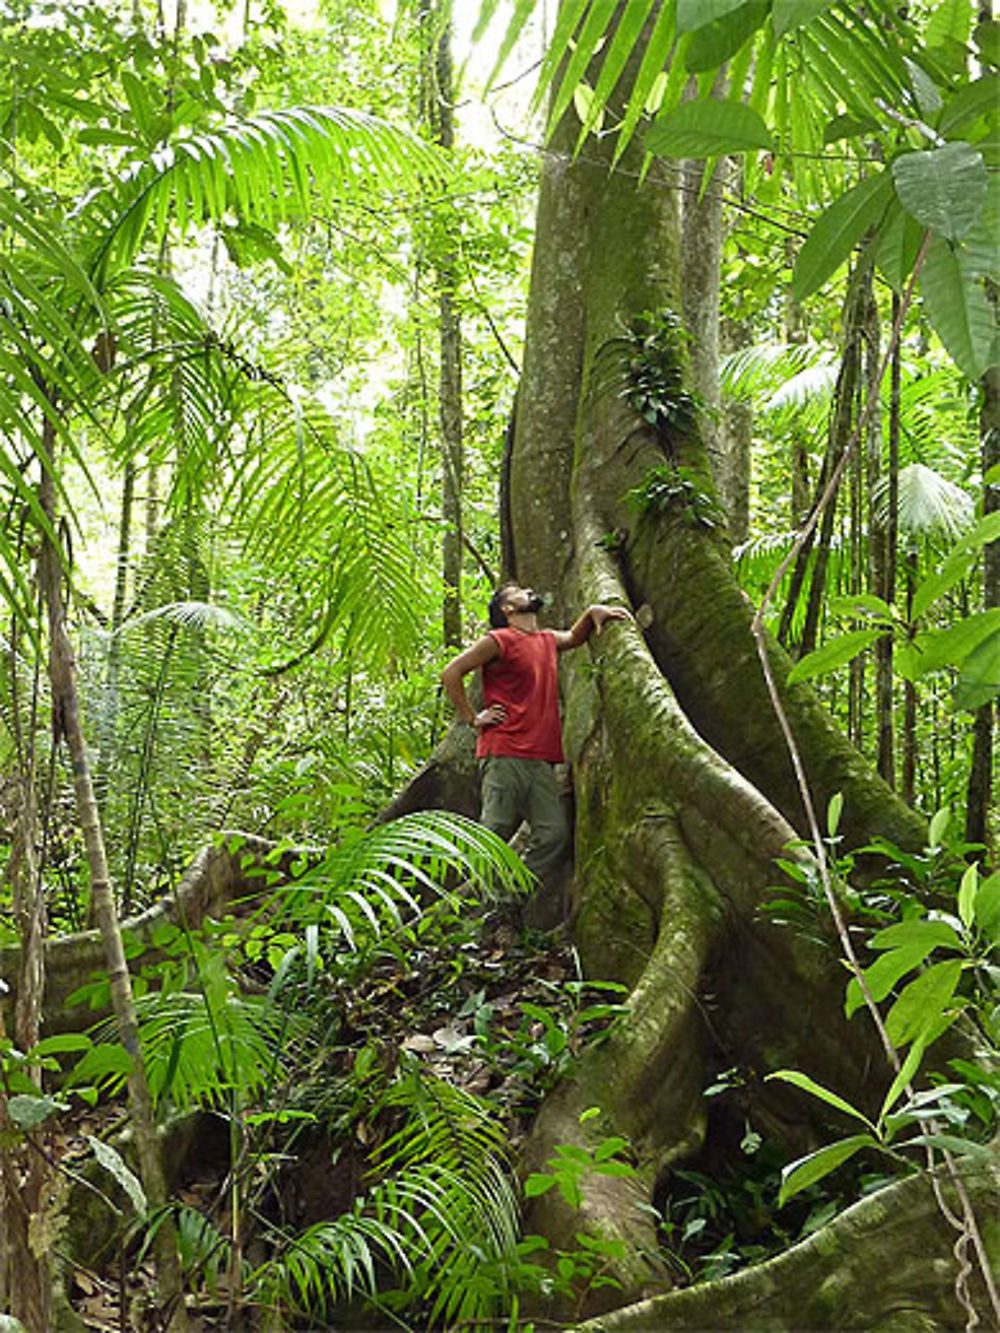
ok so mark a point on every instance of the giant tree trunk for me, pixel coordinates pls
(684, 788)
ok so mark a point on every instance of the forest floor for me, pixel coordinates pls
(474, 998)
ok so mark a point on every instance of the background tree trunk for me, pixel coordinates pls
(979, 794)
(434, 19)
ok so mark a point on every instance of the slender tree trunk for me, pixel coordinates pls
(886, 535)
(109, 710)
(67, 726)
(438, 103)
(735, 443)
(701, 257)
(979, 796)
(26, 1175)
(797, 334)
(845, 402)
(909, 775)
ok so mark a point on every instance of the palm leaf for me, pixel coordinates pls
(395, 864)
(266, 169)
(929, 504)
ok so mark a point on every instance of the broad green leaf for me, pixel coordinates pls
(139, 103)
(939, 825)
(29, 1113)
(897, 246)
(708, 129)
(692, 14)
(834, 654)
(924, 89)
(960, 560)
(799, 1175)
(979, 679)
(583, 102)
(851, 603)
(958, 309)
(967, 893)
(979, 252)
(955, 1143)
(987, 908)
(903, 1076)
(788, 15)
(116, 138)
(809, 1085)
(833, 813)
(61, 1043)
(921, 930)
(716, 42)
(654, 98)
(112, 1161)
(950, 647)
(882, 975)
(968, 103)
(847, 127)
(942, 188)
(923, 1001)
(987, 38)
(837, 231)
(950, 20)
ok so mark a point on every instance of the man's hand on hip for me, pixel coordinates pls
(490, 717)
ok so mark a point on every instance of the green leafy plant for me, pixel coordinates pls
(935, 967)
(676, 488)
(646, 367)
(435, 1231)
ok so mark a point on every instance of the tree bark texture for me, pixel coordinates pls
(884, 1265)
(684, 788)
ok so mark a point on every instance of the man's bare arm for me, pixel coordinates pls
(592, 621)
(453, 679)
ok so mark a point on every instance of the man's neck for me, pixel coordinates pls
(525, 621)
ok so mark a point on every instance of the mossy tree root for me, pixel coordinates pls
(885, 1265)
(222, 873)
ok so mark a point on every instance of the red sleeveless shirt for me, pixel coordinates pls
(524, 678)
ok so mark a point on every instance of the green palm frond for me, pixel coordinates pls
(441, 1220)
(365, 883)
(46, 300)
(190, 615)
(266, 170)
(199, 1045)
(758, 372)
(846, 57)
(929, 504)
(308, 503)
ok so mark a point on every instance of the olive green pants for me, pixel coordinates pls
(525, 789)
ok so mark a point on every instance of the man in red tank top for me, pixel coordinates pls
(518, 733)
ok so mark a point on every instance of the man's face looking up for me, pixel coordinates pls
(521, 601)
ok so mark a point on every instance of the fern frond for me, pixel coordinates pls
(391, 866)
(442, 1217)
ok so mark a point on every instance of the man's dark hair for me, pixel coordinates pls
(498, 617)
